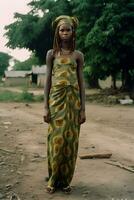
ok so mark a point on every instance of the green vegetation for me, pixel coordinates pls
(24, 96)
(105, 35)
(27, 64)
(106, 96)
(4, 62)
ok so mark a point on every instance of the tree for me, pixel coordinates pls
(88, 11)
(4, 62)
(110, 42)
(106, 37)
(34, 32)
(27, 64)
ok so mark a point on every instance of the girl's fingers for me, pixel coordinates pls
(82, 119)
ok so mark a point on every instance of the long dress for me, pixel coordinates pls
(63, 129)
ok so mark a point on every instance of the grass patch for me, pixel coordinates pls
(24, 96)
(8, 96)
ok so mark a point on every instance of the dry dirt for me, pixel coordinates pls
(23, 157)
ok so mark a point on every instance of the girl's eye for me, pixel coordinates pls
(68, 30)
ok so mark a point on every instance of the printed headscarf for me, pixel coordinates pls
(65, 19)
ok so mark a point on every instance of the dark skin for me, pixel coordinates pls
(65, 34)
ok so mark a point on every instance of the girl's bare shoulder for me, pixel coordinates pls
(79, 56)
(50, 54)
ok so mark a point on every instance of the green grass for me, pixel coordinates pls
(24, 96)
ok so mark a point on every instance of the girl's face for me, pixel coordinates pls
(65, 32)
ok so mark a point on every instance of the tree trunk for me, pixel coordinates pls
(123, 77)
(114, 81)
(127, 83)
(93, 82)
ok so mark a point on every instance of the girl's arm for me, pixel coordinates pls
(80, 63)
(47, 87)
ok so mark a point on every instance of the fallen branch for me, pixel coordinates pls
(96, 155)
(122, 166)
(7, 151)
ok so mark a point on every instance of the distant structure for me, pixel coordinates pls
(34, 77)
(16, 78)
(38, 75)
(107, 83)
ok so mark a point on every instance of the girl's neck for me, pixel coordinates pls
(65, 45)
(66, 48)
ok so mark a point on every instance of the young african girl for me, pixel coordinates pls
(64, 103)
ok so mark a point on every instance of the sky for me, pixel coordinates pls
(7, 10)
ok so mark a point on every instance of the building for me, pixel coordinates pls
(38, 75)
(17, 78)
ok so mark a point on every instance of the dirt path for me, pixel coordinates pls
(23, 161)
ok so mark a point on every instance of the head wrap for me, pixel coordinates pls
(64, 19)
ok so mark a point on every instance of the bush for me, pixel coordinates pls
(26, 96)
(39, 98)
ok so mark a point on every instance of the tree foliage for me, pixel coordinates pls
(110, 42)
(4, 62)
(34, 32)
(27, 64)
(106, 37)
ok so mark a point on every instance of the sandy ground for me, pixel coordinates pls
(23, 157)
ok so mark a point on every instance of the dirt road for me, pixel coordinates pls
(23, 157)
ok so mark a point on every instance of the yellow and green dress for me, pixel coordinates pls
(63, 129)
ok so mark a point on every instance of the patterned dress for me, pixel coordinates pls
(63, 130)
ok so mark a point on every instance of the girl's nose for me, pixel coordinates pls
(65, 33)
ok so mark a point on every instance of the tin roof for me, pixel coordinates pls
(14, 74)
(39, 69)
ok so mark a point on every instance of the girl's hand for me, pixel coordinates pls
(82, 117)
(46, 116)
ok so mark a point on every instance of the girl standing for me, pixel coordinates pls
(64, 103)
